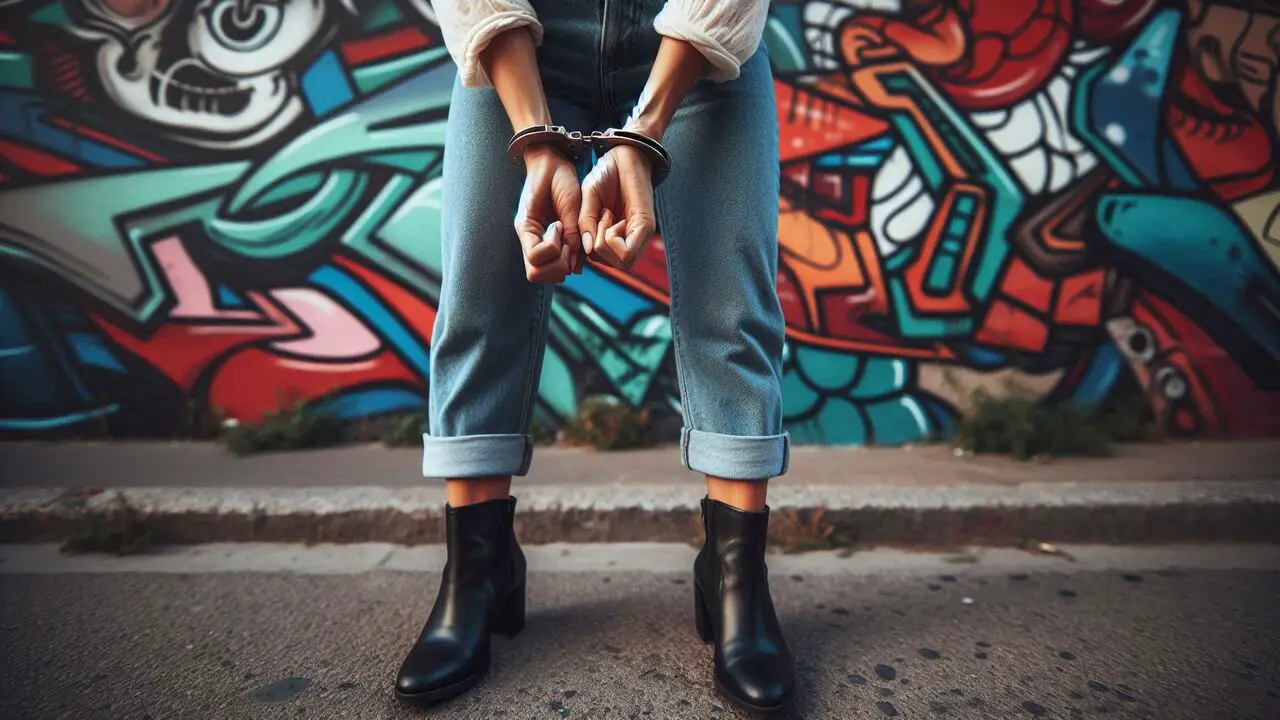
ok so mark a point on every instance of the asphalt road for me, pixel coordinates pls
(298, 633)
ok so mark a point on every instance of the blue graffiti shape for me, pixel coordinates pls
(370, 402)
(1119, 109)
(1099, 378)
(1198, 255)
(26, 117)
(40, 385)
(407, 343)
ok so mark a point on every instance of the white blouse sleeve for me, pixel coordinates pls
(468, 26)
(726, 32)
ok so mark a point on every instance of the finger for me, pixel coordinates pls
(550, 266)
(536, 250)
(547, 275)
(589, 216)
(568, 208)
(562, 265)
(530, 237)
(552, 272)
(606, 219)
(567, 259)
(542, 250)
(638, 230)
(606, 255)
(614, 249)
(575, 261)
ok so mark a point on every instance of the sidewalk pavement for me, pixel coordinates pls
(922, 495)
(282, 632)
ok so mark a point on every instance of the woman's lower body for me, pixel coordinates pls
(717, 214)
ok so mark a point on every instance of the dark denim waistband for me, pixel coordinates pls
(596, 54)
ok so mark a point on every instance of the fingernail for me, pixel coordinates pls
(586, 242)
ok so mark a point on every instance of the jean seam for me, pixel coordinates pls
(686, 408)
(535, 348)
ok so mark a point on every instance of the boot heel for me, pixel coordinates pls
(510, 619)
(702, 616)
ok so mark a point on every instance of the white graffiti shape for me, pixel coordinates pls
(901, 205)
(821, 21)
(212, 73)
(1034, 135)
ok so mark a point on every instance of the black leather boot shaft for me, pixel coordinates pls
(481, 592)
(733, 609)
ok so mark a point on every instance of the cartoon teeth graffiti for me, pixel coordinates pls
(213, 73)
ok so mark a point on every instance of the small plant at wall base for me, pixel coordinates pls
(119, 530)
(797, 531)
(405, 431)
(197, 424)
(297, 428)
(1025, 427)
(605, 423)
(543, 434)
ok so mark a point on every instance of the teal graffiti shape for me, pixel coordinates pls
(1199, 257)
(1004, 201)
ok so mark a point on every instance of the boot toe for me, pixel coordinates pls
(434, 666)
(761, 682)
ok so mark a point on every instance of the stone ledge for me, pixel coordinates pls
(1120, 513)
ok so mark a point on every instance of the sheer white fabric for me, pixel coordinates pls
(468, 26)
(726, 32)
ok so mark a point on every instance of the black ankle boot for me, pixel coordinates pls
(482, 592)
(733, 609)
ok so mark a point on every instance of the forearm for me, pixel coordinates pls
(511, 63)
(675, 70)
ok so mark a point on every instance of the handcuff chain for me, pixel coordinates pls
(574, 146)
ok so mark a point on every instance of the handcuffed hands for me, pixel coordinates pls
(608, 218)
(547, 216)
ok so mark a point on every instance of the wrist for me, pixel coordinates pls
(523, 117)
(650, 127)
(541, 152)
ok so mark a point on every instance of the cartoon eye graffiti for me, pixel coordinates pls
(243, 27)
(1139, 344)
(241, 38)
(1172, 384)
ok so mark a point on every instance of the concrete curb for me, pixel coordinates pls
(1117, 513)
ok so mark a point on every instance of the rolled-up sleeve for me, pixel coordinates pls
(726, 32)
(468, 26)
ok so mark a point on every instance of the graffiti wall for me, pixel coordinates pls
(233, 206)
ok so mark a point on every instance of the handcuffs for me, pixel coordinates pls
(575, 145)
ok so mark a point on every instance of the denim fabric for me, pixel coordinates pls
(717, 212)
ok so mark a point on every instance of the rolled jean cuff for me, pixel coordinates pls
(469, 456)
(735, 457)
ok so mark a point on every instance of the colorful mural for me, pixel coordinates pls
(233, 205)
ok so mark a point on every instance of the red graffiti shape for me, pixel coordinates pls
(1102, 22)
(1246, 410)
(1014, 49)
(183, 350)
(255, 381)
(1226, 147)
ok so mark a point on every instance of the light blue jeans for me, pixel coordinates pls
(718, 215)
